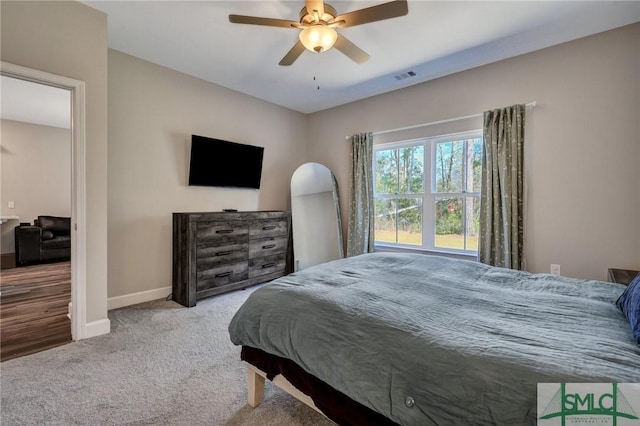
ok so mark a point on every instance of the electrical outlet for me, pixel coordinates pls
(12, 204)
(555, 269)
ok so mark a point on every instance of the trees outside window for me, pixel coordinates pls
(434, 207)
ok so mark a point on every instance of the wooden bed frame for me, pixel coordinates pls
(308, 389)
(255, 388)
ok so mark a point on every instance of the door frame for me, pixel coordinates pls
(78, 309)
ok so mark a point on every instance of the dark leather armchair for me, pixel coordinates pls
(47, 240)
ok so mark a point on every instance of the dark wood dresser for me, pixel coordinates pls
(214, 253)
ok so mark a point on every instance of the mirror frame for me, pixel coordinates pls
(315, 178)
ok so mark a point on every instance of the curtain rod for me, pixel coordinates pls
(529, 105)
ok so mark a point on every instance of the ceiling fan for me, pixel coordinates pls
(318, 23)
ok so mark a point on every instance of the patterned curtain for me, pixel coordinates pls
(502, 199)
(361, 220)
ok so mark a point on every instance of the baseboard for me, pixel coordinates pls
(96, 328)
(135, 298)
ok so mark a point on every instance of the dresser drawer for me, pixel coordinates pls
(267, 265)
(221, 275)
(208, 256)
(221, 231)
(268, 228)
(267, 246)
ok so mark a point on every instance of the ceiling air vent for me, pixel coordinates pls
(404, 75)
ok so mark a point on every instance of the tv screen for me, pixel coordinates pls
(216, 162)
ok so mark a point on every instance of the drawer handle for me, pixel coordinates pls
(224, 231)
(268, 228)
(268, 246)
(268, 265)
(223, 274)
(223, 253)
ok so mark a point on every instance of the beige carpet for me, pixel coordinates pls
(162, 364)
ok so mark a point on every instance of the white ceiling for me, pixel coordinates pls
(34, 103)
(436, 38)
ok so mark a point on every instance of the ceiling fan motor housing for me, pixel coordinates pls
(307, 18)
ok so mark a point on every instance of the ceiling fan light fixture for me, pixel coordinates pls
(318, 38)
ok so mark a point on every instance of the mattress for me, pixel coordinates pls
(431, 340)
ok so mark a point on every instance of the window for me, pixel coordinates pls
(427, 193)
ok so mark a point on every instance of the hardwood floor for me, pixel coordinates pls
(33, 308)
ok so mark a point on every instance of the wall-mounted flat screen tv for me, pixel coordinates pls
(216, 162)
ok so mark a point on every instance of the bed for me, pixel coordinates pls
(389, 338)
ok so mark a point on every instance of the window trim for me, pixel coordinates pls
(428, 196)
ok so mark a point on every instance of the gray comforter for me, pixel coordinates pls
(467, 342)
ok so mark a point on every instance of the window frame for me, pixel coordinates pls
(428, 196)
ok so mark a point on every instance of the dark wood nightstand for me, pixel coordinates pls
(622, 276)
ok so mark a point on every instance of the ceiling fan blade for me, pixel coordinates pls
(374, 13)
(256, 20)
(354, 53)
(315, 6)
(293, 54)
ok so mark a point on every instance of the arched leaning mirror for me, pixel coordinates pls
(315, 216)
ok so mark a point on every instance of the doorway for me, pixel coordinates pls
(36, 211)
(76, 89)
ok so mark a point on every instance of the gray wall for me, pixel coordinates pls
(70, 39)
(35, 174)
(582, 146)
(153, 111)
